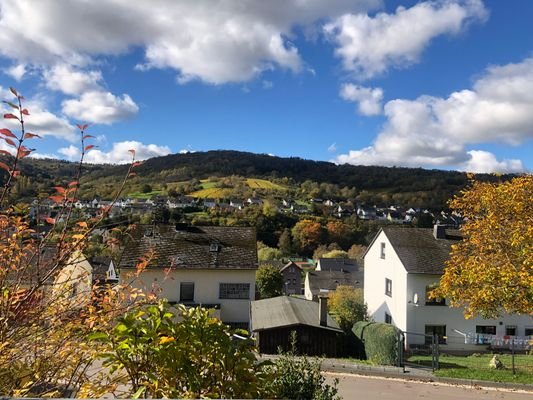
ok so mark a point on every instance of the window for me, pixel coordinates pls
(439, 330)
(484, 332)
(388, 287)
(234, 291)
(388, 318)
(382, 250)
(529, 331)
(435, 301)
(486, 329)
(510, 330)
(187, 291)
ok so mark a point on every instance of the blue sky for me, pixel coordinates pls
(438, 84)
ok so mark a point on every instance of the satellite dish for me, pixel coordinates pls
(415, 298)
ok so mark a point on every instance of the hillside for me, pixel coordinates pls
(205, 174)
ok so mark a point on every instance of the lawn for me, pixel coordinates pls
(149, 195)
(477, 367)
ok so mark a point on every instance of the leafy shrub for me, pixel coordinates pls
(181, 353)
(298, 378)
(379, 342)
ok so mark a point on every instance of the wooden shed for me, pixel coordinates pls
(273, 321)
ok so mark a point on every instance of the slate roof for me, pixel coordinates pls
(285, 311)
(419, 251)
(100, 266)
(329, 280)
(338, 264)
(205, 247)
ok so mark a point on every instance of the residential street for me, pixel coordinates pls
(363, 387)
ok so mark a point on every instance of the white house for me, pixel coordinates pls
(401, 266)
(210, 266)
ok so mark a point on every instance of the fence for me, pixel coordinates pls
(466, 350)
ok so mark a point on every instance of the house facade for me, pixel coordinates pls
(213, 267)
(402, 265)
(292, 278)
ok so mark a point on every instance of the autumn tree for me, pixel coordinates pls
(307, 235)
(347, 306)
(491, 270)
(339, 232)
(269, 281)
(43, 319)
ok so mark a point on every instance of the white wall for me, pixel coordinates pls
(206, 288)
(421, 315)
(376, 270)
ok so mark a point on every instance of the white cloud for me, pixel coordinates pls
(118, 154)
(216, 42)
(368, 99)
(332, 147)
(40, 121)
(483, 161)
(16, 71)
(434, 131)
(70, 80)
(100, 107)
(369, 46)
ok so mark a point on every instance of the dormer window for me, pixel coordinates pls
(214, 247)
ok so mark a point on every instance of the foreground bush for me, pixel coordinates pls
(163, 351)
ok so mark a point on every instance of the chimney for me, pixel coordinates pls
(323, 310)
(439, 231)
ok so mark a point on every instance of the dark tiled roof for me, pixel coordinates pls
(329, 280)
(338, 264)
(100, 267)
(192, 247)
(284, 311)
(418, 249)
(289, 264)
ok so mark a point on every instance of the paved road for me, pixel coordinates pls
(363, 387)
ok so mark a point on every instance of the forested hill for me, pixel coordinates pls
(431, 188)
(202, 165)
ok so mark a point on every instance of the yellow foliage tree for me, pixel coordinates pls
(491, 270)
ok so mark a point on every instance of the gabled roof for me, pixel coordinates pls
(100, 266)
(191, 247)
(337, 264)
(419, 251)
(289, 264)
(329, 280)
(285, 311)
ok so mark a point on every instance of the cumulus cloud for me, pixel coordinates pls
(484, 161)
(368, 99)
(100, 107)
(369, 46)
(435, 131)
(40, 121)
(118, 154)
(217, 42)
(70, 80)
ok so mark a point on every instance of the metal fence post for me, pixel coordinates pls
(512, 356)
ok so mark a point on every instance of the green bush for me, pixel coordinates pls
(377, 342)
(298, 378)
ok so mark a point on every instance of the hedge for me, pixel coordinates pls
(377, 342)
